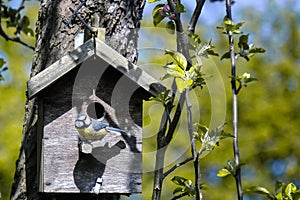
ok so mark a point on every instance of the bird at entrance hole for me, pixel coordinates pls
(92, 129)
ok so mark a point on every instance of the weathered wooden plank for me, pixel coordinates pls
(82, 53)
(58, 69)
(132, 71)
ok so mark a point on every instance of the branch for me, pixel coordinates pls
(235, 91)
(172, 169)
(175, 120)
(176, 166)
(195, 17)
(180, 36)
(193, 145)
(9, 38)
(180, 196)
(161, 147)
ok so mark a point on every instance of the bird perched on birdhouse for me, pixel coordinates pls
(92, 129)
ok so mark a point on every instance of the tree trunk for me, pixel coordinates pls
(121, 18)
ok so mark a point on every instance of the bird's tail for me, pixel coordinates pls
(115, 129)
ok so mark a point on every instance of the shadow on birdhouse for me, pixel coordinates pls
(90, 121)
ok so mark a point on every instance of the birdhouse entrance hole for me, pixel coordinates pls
(95, 110)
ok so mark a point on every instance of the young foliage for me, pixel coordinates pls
(243, 80)
(184, 78)
(209, 138)
(231, 28)
(246, 50)
(14, 19)
(163, 98)
(186, 187)
(201, 49)
(229, 169)
(283, 191)
(162, 11)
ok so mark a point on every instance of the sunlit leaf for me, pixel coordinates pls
(174, 70)
(181, 85)
(290, 189)
(260, 190)
(178, 57)
(223, 173)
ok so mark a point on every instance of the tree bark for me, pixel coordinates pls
(121, 18)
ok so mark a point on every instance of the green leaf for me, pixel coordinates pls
(178, 57)
(226, 55)
(243, 42)
(177, 190)
(225, 135)
(245, 78)
(174, 70)
(178, 180)
(2, 62)
(260, 190)
(257, 50)
(181, 86)
(152, 1)
(170, 26)
(278, 185)
(28, 31)
(239, 25)
(212, 52)
(156, 14)
(201, 128)
(223, 173)
(180, 8)
(24, 22)
(290, 189)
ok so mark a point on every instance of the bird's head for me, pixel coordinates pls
(82, 121)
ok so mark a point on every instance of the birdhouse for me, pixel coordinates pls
(91, 86)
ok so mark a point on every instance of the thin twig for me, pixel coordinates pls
(162, 146)
(193, 145)
(177, 166)
(180, 196)
(234, 106)
(195, 16)
(9, 38)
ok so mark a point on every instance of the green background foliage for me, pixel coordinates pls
(269, 108)
(12, 94)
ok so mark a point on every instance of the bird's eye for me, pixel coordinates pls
(79, 124)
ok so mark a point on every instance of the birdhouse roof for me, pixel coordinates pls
(68, 62)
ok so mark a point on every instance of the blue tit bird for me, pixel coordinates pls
(92, 129)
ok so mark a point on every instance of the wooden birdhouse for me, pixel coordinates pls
(96, 81)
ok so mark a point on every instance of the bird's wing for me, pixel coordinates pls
(99, 125)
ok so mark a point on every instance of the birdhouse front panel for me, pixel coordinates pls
(90, 122)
